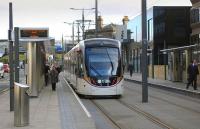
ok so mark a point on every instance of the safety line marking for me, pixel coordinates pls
(78, 99)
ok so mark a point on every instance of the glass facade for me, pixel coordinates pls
(195, 39)
(136, 28)
(167, 27)
(195, 14)
(195, 36)
(195, 19)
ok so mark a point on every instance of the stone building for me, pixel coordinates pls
(114, 31)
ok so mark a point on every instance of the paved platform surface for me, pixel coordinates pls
(50, 110)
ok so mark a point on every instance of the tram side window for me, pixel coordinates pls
(79, 68)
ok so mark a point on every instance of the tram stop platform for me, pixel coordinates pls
(58, 109)
(178, 87)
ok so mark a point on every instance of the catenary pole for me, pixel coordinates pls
(144, 53)
(83, 24)
(96, 16)
(11, 57)
(73, 33)
(78, 31)
(83, 20)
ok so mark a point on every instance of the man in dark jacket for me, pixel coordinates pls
(130, 69)
(46, 70)
(192, 72)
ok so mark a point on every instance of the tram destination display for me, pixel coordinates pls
(33, 32)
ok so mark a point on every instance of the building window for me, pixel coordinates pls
(150, 29)
(159, 12)
(195, 39)
(159, 28)
(195, 14)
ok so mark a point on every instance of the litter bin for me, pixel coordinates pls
(21, 105)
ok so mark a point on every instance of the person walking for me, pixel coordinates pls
(131, 70)
(46, 71)
(54, 77)
(192, 72)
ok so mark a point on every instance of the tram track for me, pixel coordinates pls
(105, 113)
(174, 93)
(147, 115)
(4, 90)
(167, 101)
(140, 112)
(120, 119)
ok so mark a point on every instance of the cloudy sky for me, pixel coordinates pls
(53, 13)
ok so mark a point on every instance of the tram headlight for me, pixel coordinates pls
(114, 81)
(93, 81)
(99, 81)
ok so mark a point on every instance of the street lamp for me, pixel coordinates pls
(83, 19)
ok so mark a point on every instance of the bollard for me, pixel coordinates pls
(21, 105)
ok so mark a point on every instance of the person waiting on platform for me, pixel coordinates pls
(46, 71)
(192, 72)
(54, 77)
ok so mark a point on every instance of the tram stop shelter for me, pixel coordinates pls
(34, 39)
(178, 60)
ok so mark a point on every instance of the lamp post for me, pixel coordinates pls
(83, 19)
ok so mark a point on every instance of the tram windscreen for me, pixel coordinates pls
(102, 61)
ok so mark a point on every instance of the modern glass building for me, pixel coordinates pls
(167, 27)
(195, 25)
(195, 21)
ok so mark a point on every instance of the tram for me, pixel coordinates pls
(94, 67)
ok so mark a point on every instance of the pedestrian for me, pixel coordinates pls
(131, 70)
(46, 72)
(58, 68)
(123, 68)
(54, 77)
(192, 72)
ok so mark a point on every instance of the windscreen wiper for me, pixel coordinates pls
(95, 70)
(110, 62)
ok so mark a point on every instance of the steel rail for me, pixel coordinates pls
(147, 115)
(167, 101)
(3, 91)
(105, 113)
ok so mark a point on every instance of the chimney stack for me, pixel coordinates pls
(125, 20)
(99, 23)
